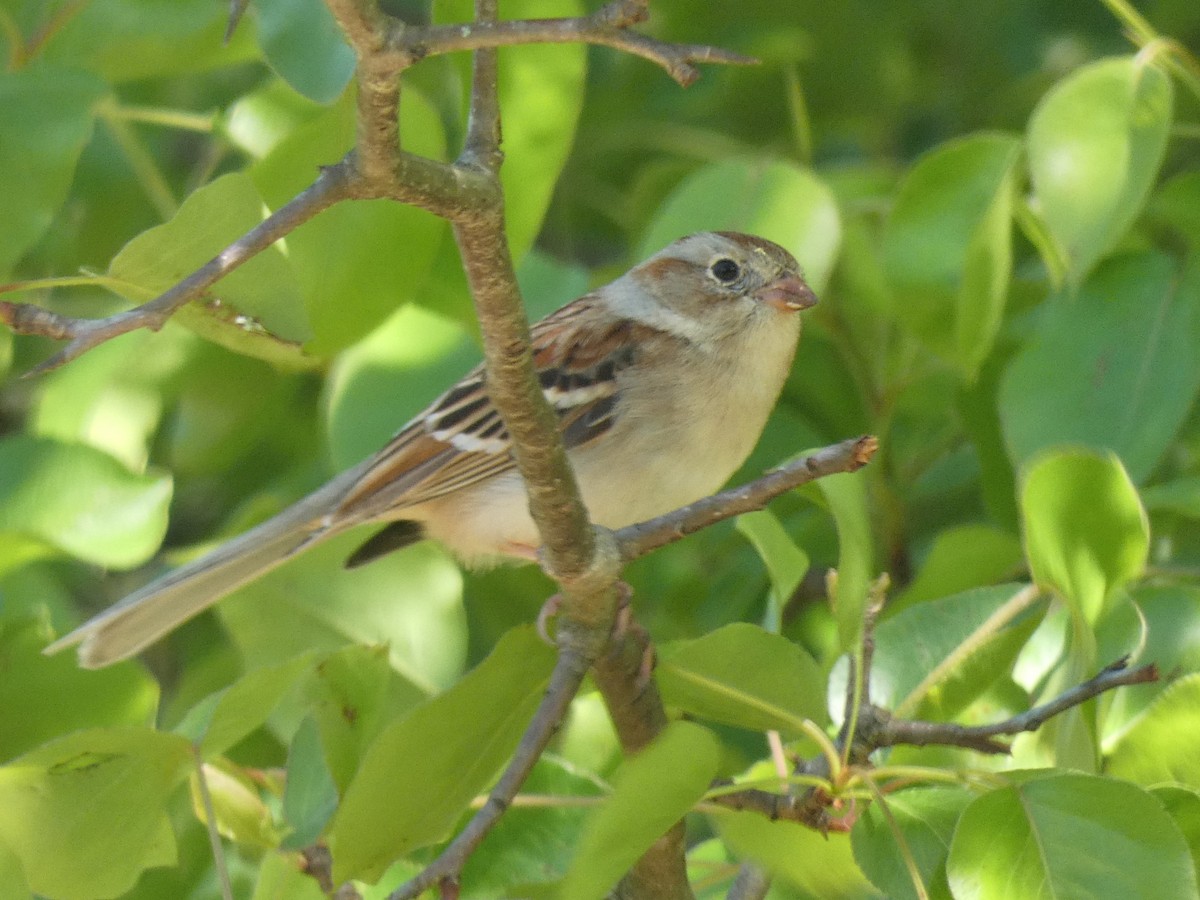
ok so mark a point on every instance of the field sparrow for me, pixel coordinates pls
(662, 380)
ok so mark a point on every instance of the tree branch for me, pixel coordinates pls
(874, 729)
(378, 167)
(334, 183)
(635, 541)
(889, 732)
(608, 27)
(636, 709)
(569, 669)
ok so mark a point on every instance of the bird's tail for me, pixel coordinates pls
(164, 604)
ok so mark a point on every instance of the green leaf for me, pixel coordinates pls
(256, 309)
(1183, 805)
(1128, 340)
(1180, 496)
(12, 879)
(948, 247)
(410, 359)
(785, 561)
(1177, 205)
(820, 865)
(410, 601)
(1085, 529)
(437, 758)
(46, 117)
(709, 677)
(925, 818)
(961, 558)
(86, 813)
(1161, 744)
(239, 810)
(351, 695)
(310, 796)
(222, 719)
(532, 845)
(130, 40)
(110, 516)
(846, 496)
(776, 200)
(934, 659)
(1095, 145)
(303, 44)
(1165, 630)
(347, 259)
(279, 878)
(118, 695)
(651, 791)
(1069, 836)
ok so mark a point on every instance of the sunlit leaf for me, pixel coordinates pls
(1159, 747)
(948, 248)
(651, 792)
(1085, 529)
(784, 560)
(359, 260)
(239, 810)
(776, 200)
(119, 695)
(111, 516)
(820, 865)
(409, 601)
(438, 758)
(1095, 144)
(933, 659)
(86, 813)
(709, 677)
(846, 497)
(1091, 837)
(256, 309)
(220, 721)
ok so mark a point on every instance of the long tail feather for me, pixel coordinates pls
(164, 604)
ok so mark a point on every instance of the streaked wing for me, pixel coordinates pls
(460, 440)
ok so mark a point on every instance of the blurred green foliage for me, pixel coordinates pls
(999, 205)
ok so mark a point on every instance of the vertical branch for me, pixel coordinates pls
(483, 123)
(377, 144)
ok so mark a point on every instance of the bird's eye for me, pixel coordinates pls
(725, 270)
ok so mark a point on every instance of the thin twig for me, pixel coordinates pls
(637, 540)
(214, 838)
(482, 147)
(572, 665)
(677, 60)
(333, 184)
(979, 737)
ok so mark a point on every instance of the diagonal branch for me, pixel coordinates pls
(335, 183)
(637, 540)
(568, 674)
(378, 167)
(981, 738)
(875, 729)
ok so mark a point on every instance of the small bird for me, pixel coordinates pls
(662, 381)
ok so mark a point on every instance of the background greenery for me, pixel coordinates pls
(999, 204)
